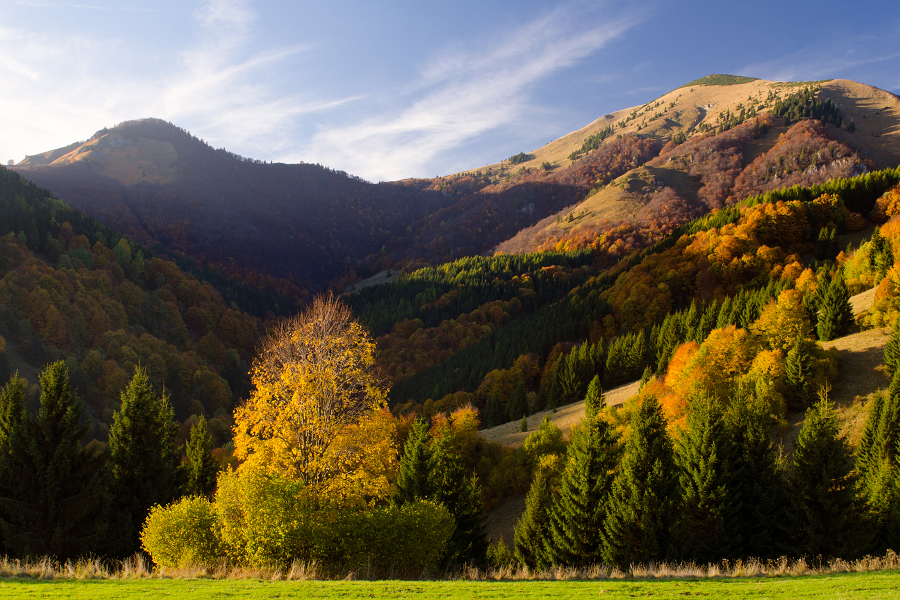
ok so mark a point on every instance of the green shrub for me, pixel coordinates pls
(406, 540)
(182, 534)
(264, 519)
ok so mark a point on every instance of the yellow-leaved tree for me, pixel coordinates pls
(318, 412)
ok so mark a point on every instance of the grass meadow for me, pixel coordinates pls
(876, 578)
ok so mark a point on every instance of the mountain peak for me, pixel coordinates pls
(719, 79)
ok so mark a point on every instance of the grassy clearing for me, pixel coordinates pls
(847, 585)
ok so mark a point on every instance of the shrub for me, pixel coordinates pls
(182, 534)
(393, 540)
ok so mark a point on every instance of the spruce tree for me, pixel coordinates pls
(724, 317)
(827, 511)
(579, 509)
(532, 533)
(594, 400)
(201, 465)
(796, 368)
(143, 464)
(493, 412)
(616, 363)
(55, 498)
(12, 436)
(835, 312)
(518, 403)
(761, 481)
(878, 463)
(709, 486)
(460, 493)
(645, 497)
(415, 466)
(892, 351)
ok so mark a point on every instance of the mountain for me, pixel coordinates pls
(299, 223)
(74, 290)
(622, 182)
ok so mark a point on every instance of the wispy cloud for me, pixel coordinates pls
(464, 94)
(820, 61)
(62, 87)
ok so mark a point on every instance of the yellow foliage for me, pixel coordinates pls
(783, 320)
(315, 414)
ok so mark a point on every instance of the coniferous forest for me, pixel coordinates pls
(154, 401)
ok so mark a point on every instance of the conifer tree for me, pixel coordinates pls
(201, 465)
(518, 403)
(892, 351)
(616, 363)
(415, 466)
(460, 493)
(431, 470)
(878, 463)
(645, 497)
(710, 487)
(796, 368)
(143, 464)
(835, 313)
(724, 317)
(827, 512)
(12, 436)
(493, 412)
(532, 533)
(55, 501)
(761, 481)
(594, 400)
(579, 509)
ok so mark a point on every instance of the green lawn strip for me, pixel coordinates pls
(880, 585)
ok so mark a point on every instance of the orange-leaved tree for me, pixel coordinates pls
(317, 414)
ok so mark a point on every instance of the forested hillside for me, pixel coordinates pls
(72, 289)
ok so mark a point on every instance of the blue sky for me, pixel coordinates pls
(394, 89)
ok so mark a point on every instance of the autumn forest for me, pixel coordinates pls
(205, 358)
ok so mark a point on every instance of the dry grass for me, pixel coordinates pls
(565, 417)
(137, 568)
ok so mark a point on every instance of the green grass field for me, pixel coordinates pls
(879, 585)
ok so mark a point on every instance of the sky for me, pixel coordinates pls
(399, 88)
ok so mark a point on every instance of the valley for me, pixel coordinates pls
(728, 247)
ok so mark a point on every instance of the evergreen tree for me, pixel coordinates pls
(460, 493)
(878, 463)
(709, 485)
(143, 465)
(12, 436)
(518, 403)
(201, 465)
(579, 510)
(55, 498)
(415, 466)
(645, 497)
(892, 351)
(796, 367)
(532, 532)
(835, 313)
(594, 400)
(616, 363)
(827, 246)
(827, 512)
(493, 412)
(761, 482)
(724, 317)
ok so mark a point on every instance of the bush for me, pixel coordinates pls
(264, 519)
(182, 534)
(407, 540)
